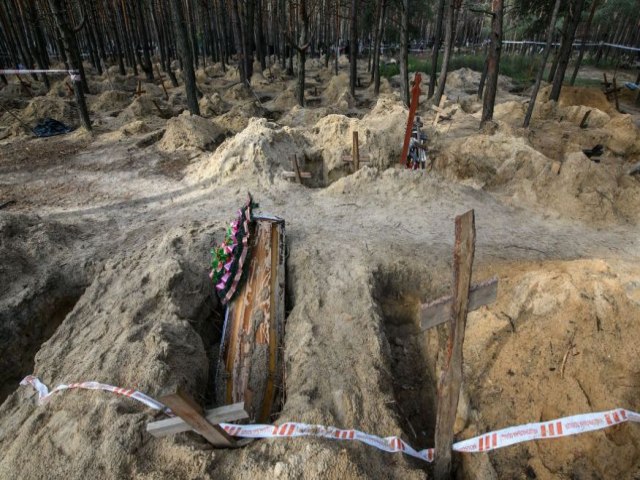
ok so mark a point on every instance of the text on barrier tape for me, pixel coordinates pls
(560, 427)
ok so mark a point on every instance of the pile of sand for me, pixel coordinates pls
(213, 105)
(214, 70)
(468, 81)
(283, 101)
(304, 117)
(572, 185)
(337, 93)
(109, 101)
(187, 132)
(143, 106)
(261, 149)
(238, 93)
(560, 340)
(51, 107)
(237, 119)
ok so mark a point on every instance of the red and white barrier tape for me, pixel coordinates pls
(74, 74)
(561, 427)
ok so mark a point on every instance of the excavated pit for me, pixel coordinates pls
(399, 294)
(22, 340)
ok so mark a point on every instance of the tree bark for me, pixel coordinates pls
(565, 49)
(184, 50)
(493, 62)
(376, 55)
(353, 48)
(448, 48)
(545, 57)
(70, 45)
(436, 48)
(302, 50)
(585, 37)
(404, 51)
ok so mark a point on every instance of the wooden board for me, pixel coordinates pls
(250, 368)
(189, 411)
(169, 426)
(438, 312)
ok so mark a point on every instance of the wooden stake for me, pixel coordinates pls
(583, 123)
(166, 95)
(451, 378)
(439, 109)
(188, 410)
(355, 152)
(170, 426)
(615, 94)
(296, 169)
(415, 97)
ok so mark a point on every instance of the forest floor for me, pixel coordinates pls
(105, 254)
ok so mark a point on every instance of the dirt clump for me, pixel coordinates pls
(109, 101)
(145, 106)
(187, 132)
(238, 117)
(213, 105)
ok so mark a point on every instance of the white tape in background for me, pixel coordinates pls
(23, 71)
(560, 427)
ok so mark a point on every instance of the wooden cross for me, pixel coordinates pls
(453, 309)
(166, 95)
(355, 156)
(139, 90)
(440, 111)
(296, 173)
(415, 97)
(190, 416)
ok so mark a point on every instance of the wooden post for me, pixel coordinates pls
(583, 123)
(166, 95)
(186, 408)
(355, 152)
(415, 96)
(451, 378)
(296, 169)
(615, 94)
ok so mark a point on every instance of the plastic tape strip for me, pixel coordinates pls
(561, 427)
(20, 72)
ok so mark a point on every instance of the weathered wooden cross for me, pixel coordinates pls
(415, 97)
(440, 111)
(453, 309)
(296, 173)
(355, 158)
(190, 416)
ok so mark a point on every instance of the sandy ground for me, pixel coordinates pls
(105, 256)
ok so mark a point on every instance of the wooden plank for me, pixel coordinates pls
(355, 152)
(169, 426)
(186, 408)
(451, 378)
(287, 174)
(296, 169)
(415, 97)
(583, 122)
(364, 158)
(438, 311)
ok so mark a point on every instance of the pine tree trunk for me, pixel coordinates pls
(184, 50)
(565, 49)
(70, 45)
(493, 62)
(302, 49)
(448, 48)
(404, 51)
(594, 5)
(376, 63)
(545, 57)
(353, 48)
(436, 48)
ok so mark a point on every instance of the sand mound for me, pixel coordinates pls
(575, 113)
(519, 348)
(625, 135)
(237, 119)
(583, 190)
(214, 70)
(187, 132)
(468, 81)
(13, 90)
(385, 86)
(261, 149)
(52, 107)
(238, 93)
(307, 117)
(109, 101)
(145, 106)
(284, 101)
(213, 105)
(337, 93)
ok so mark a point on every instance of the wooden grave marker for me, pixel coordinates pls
(296, 173)
(190, 416)
(415, 97)
(453, 309)
(355, 158)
